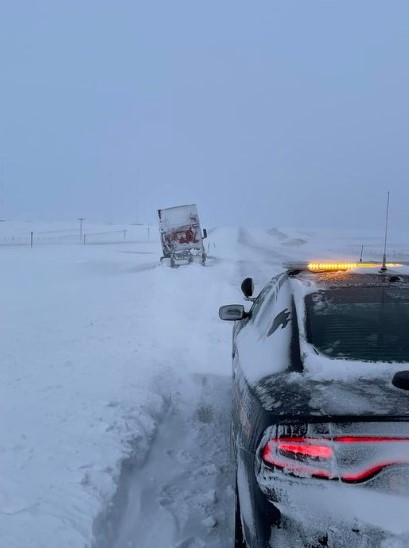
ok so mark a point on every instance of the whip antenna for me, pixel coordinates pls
(383, 268)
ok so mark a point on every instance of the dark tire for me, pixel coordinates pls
(172, 262)
(204, 259)
(239, 541)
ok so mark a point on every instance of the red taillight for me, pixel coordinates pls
(367, 439)
(349, 458)
(367, 472)
(301, 449)
(301, 456)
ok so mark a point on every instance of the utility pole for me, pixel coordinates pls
(80, 220)
(383, 269)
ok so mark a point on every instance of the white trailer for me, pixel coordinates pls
(181, 235)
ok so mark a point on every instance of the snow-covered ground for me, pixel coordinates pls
(115, 381)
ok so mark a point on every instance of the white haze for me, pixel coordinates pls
(274, 113)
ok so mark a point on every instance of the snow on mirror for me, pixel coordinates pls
(232, 312)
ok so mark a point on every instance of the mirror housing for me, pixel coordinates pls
(247, 286)
(232, 312)
(204, 234)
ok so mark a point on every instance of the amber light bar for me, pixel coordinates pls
(316, 266)
(334, 266)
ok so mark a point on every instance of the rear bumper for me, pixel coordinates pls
(348, 515)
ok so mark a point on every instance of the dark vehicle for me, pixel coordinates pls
(320, 418)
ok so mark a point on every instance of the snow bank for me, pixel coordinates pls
(79, 389)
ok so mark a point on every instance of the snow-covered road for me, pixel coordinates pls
(181, 495)
(114, 396)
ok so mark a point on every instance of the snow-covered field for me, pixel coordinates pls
(115, 381)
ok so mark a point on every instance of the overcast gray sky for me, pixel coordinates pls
(263, 113)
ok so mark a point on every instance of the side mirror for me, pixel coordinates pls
(247, 286)
(204, 234)
(232, 312)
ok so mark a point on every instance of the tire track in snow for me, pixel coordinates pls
(269, 253)
(182, 496)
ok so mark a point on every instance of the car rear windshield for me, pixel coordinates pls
(369, 324)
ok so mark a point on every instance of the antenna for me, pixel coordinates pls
(362, 250)
(383, 268)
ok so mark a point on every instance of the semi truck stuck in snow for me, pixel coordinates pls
(181, 236)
